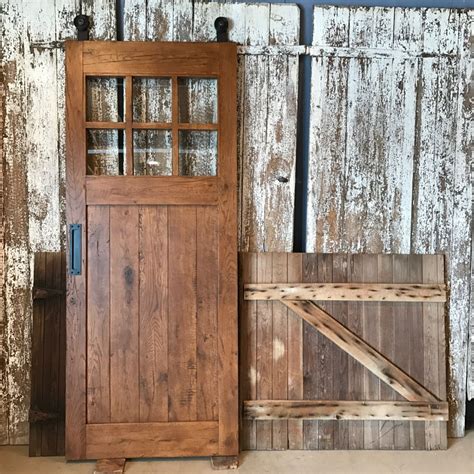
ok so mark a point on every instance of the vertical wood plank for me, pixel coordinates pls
(387, 345)
(124, 315)
(355, 370)
(37, 352)
(325, 359)
(295, 355)
(340, 269)
(76, 285)
(280, 351)
(51, 355)
(371, 334)
(264, 351)
(182, 308)
(98, 314)
(153, 316)
(311, 340)
(248, 348)
(206, 332)
(248, 315)
(431, 360)
(414, 310)
(402, 346)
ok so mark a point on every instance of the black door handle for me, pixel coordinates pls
(75, 249)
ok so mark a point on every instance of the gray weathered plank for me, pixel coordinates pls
(391, 85)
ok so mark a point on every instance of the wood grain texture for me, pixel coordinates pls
(138, 440)
(325, 373)
(153, 325)
(385, 184)
(48, 353)
(99, 315)
(346, 292)
(124, 315)
(361, 351)
(345, 410)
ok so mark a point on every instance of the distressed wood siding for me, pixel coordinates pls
(33, 153)
(267, 104)
(389, 147)
(33, 62)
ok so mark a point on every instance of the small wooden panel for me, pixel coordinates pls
(111, 466)
(319, 370)
(48, 353)
(148, 190)
(145, 59)
(346, 292)
(137, 440)
(345, 410)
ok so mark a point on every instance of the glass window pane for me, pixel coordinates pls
(105, 99)
(152, 99)
(197, 100)
(105, 152)
(152, 152)
(197, 153)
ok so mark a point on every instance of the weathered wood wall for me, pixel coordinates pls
(33, 64)
(33, 59)
(389, 154)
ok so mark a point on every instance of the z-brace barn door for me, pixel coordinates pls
(343, 351)
(152, 284)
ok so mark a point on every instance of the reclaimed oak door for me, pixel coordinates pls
(152, 243)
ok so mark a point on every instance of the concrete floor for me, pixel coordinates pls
(458, 459)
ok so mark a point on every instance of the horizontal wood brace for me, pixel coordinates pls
(370, 53)
(390, 292)
(272, 50)
(345, 410)
(143, 190)
(43, 293)
(38, 416)
(165, 439)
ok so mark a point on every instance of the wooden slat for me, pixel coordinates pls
(124, 315)
(247, 347)
(136, 440)
(110, 466)
(206, 325)
(98, 315)
(150, 59)
(415, 322)
(344, 410)
(401, 431)
(147, 190)
(153, 323)
(264, 351)
(361, 351)
(311, 374)
(295, 357)
(227, 256)
(355, 370)
(408, 292)
(387, 344)
(182, 222)
(339, 309)
(280, 351)
(325, 360)
(76, 285)
(371, 335)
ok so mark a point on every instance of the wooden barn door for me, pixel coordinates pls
(152, 285)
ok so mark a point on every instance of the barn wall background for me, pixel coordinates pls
(349, 173)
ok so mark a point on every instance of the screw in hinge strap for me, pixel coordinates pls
(82, 23)
(221, 25)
